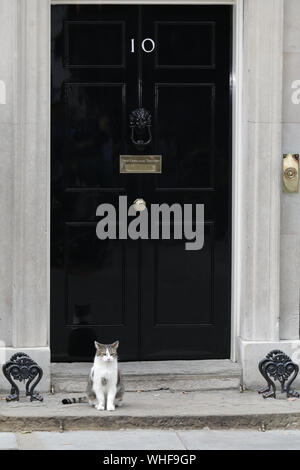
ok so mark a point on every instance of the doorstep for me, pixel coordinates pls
(154, 375)
(227, 409)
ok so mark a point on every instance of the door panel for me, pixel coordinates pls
(159, 300)
(186, 308)
(93, 77)
(96, 128)
(180, 44)
(189, 155)
(109, 37)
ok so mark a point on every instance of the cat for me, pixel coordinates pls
(105, 387)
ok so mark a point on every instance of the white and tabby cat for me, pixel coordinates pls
(105, 388)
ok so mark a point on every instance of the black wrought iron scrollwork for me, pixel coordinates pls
(278, 366)
(20, 368)
(140, 125)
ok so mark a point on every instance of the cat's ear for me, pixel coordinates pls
(98, 345)
(115, 345)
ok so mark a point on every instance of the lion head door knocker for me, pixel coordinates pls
(278, 366)
(140, 125)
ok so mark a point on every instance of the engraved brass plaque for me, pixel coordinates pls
(140, 164)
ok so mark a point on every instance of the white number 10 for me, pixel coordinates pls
(144, 45)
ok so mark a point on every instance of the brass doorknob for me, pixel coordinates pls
(139, 205)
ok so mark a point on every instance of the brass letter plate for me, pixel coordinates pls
(140, 163)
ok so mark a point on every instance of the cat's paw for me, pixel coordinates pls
(110, 407)
(99, 407)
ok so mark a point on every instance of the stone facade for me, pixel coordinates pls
(290, 203)
(266, 228)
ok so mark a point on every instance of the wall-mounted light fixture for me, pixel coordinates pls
(290, 173)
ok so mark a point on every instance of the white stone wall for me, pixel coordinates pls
(290, 203)
(24, 181)
(7, 152)
(24, 172)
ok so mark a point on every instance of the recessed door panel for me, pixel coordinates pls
(180, 44)
(91, 263)
(95, 129)
(189, 154)
(109, 36)
(171, 282)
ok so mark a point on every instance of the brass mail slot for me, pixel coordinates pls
(140, 164)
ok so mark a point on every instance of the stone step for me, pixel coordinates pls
(217, 409)
(156, 375)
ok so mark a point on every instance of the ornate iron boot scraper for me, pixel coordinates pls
(278, 366)
(21, 367)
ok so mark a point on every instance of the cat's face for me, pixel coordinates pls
(107, 352)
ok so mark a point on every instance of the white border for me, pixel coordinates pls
(145, 2)
(237, 137)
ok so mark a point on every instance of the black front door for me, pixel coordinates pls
(160, 300)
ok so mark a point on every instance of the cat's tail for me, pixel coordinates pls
(70, 401)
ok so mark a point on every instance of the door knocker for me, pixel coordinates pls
(140, 125)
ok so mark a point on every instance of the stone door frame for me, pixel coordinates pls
(257, 112)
